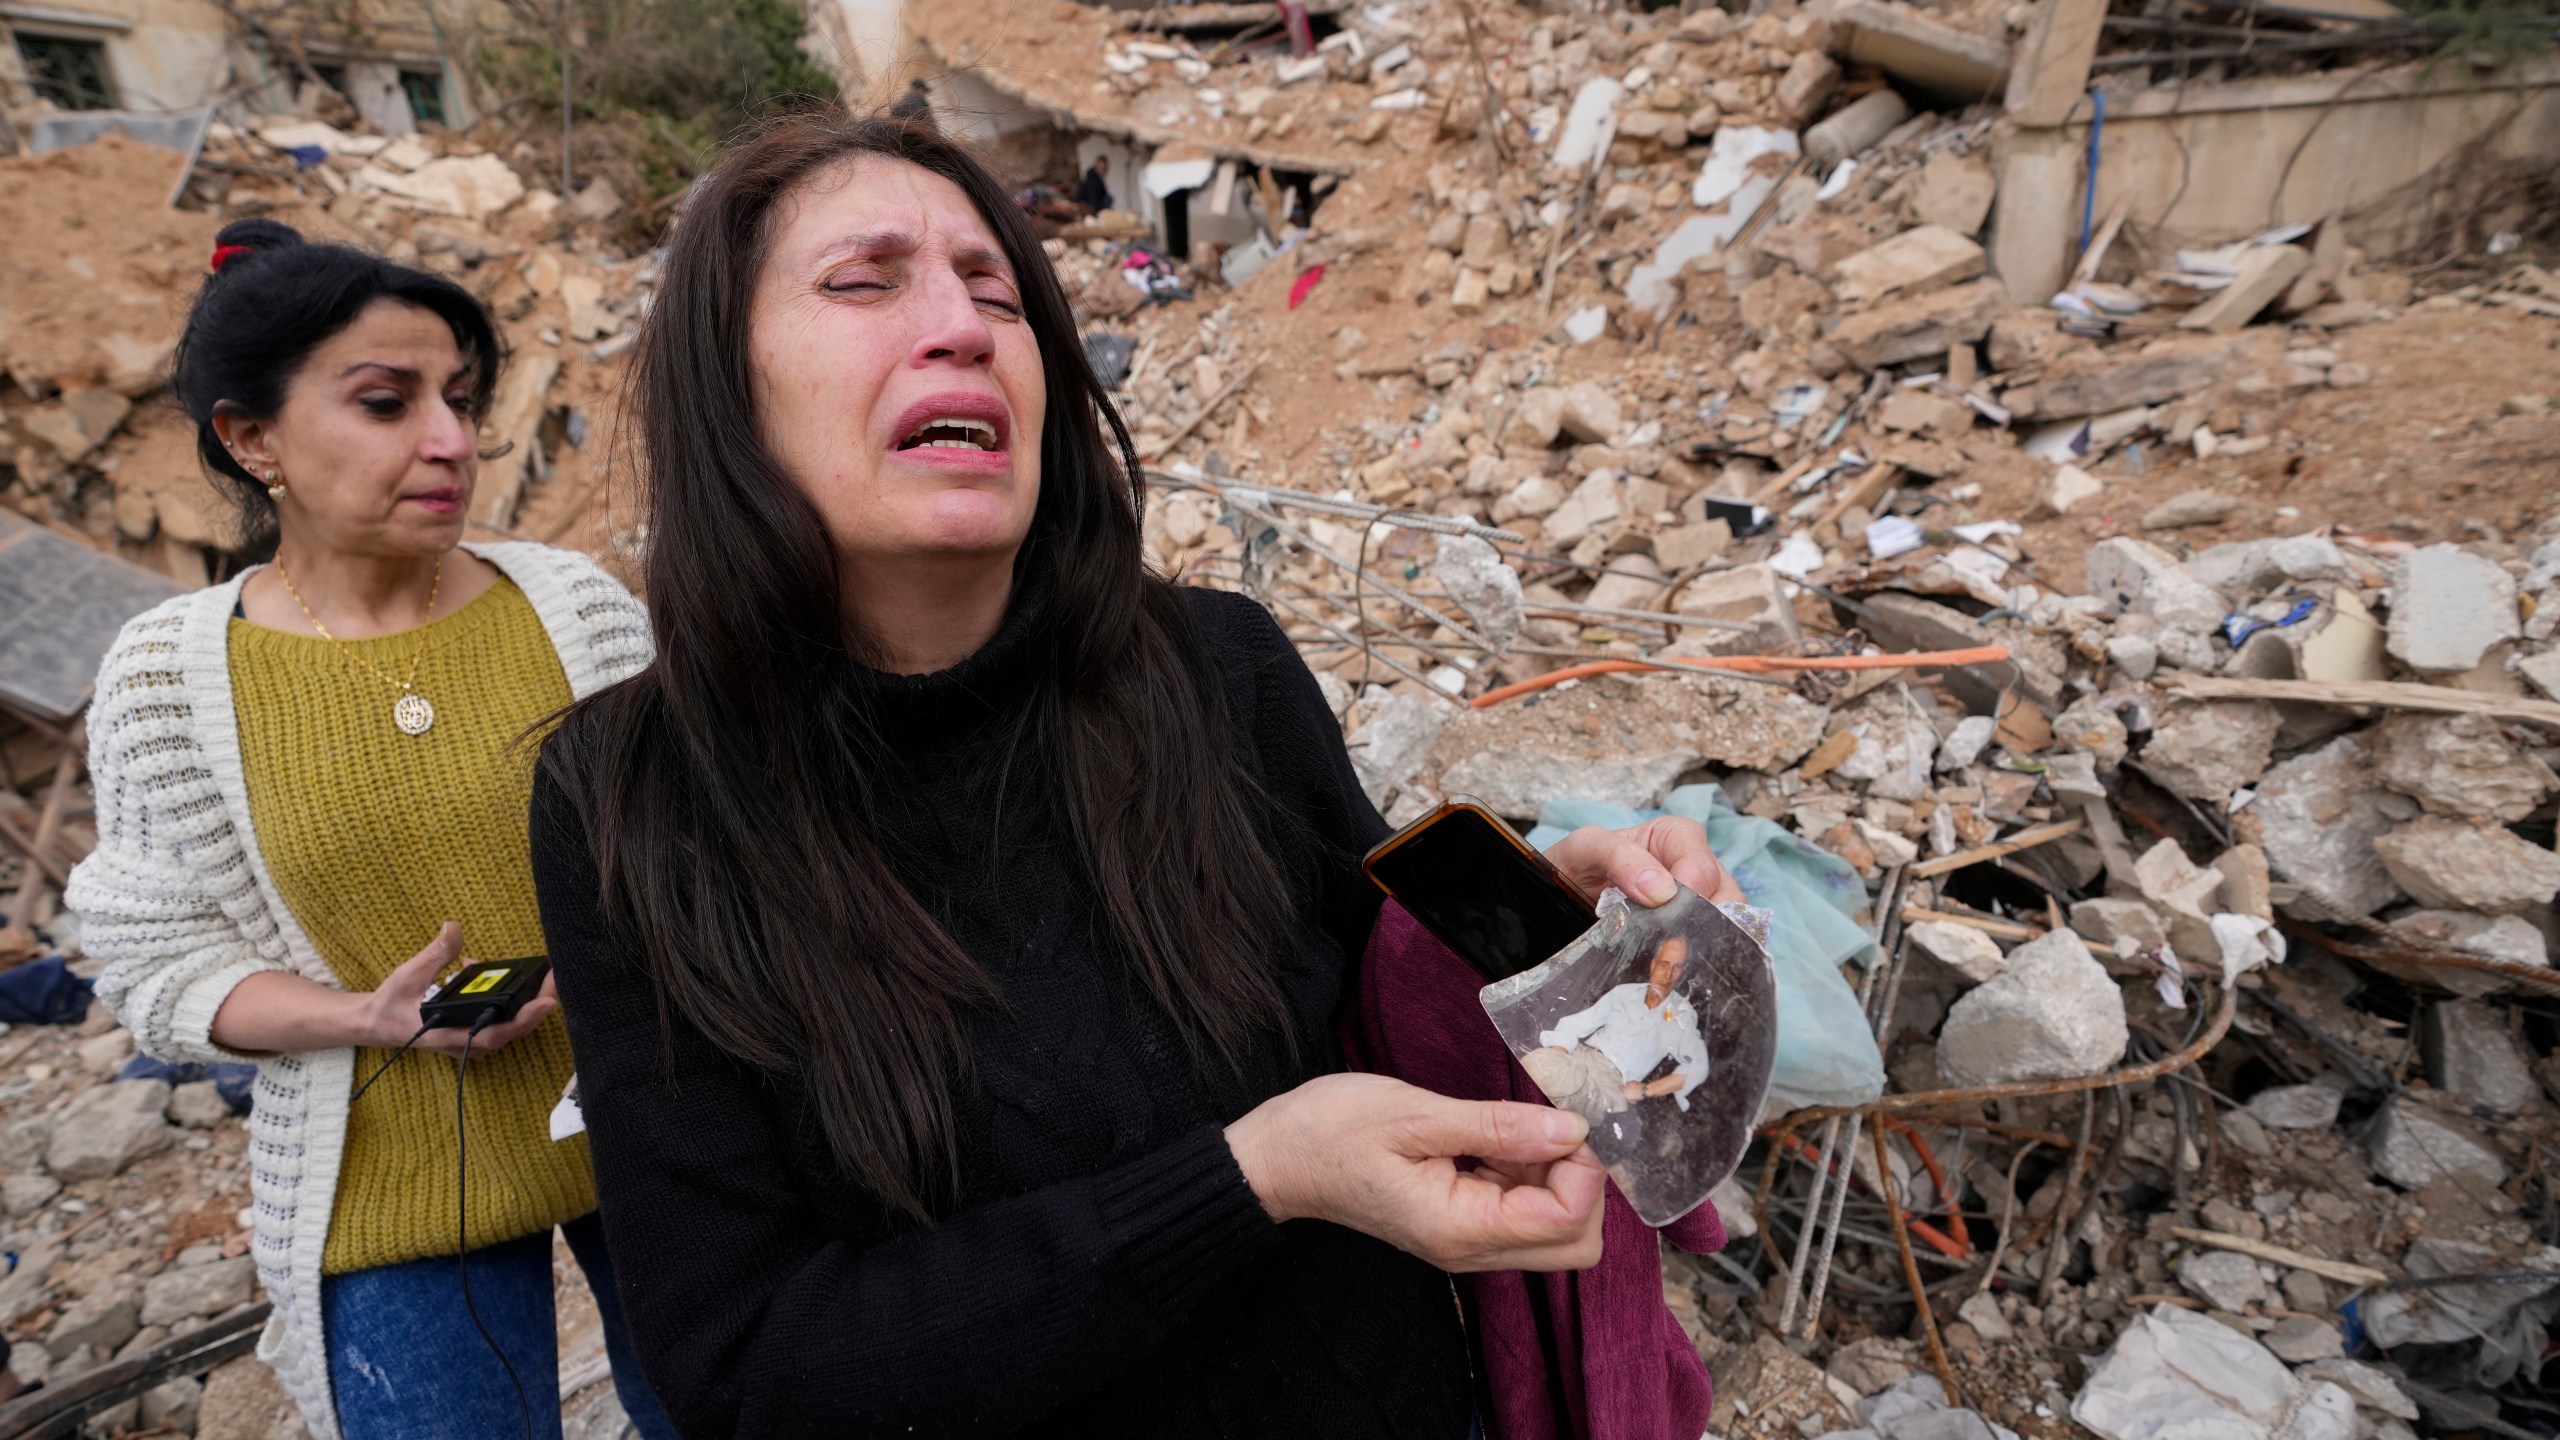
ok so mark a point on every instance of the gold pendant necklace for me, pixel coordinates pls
(411, 712)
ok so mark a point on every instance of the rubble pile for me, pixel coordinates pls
(1623, 411)
(100, 269)
(1691, 355)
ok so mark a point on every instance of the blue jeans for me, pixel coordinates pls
(406, 1364)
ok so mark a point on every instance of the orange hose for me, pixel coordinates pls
(1920, 1147)
(1750, 664)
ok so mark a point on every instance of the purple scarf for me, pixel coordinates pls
(1587, 1355)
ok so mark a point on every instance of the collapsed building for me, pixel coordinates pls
(2070, 477)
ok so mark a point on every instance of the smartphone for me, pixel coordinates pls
(1478, 886)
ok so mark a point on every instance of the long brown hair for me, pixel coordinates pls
(726, 789)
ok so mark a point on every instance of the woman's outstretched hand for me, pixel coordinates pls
(1643, 861)
(391, 1010)
(1380, 1156)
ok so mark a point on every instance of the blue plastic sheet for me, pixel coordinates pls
(42, 992)
(1826, 1052)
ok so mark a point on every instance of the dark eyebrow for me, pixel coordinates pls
(982, 256)
(877, 243)
(396, 372)
(866, 245)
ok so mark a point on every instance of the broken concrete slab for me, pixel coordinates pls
(2110, 919)
(1537, 419)
(1807, 84)
(1920, 49)
(102, 1130)
(2091, 726)
(1900, 621)
(1590, 413)
(2099, 382)
(1913, 327)
(2413, 1149)
(2185, 894)
(2319, 814)
(2067, 486)
(2223, 1279)
(2206, 751)
(2448, 608)
(2053, 1013)
(2190, 508)
(2136, 577)
(1748, 595)
(1896, 744)
(1960, 950)
(2296, 1107)
(1623, 740)
(2266, 272)
(1921, 259)
(2472, 1057)
(1955, 191)
(2458, 765)
(2451, 865)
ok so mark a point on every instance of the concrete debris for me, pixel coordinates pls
(2222, 1279)
(106, 1129)
(2300, 1339)
(2413, 1149)
(2319, 815)
(2136, 577)
(1476, 576)
(1959, 948)
(2459, 765)
(2053, 1013)
(2296, 1107)
(2448, 607)
(1465, 296)
(2449, 865)
(2206, 751)
(2193, 507)
(2472, 1057)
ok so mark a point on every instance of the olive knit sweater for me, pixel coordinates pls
(1106, 1270)
(376, 838)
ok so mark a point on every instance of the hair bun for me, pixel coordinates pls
(259, 233)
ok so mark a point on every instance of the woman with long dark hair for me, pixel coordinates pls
(952, 920)
(311, 797)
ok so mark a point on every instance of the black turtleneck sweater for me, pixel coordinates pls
(1106, 1272)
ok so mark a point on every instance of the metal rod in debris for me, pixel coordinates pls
(1270, 496)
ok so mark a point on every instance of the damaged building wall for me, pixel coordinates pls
(2381, 149)
(160, 55)
(170, 56)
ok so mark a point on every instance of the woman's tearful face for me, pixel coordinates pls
(895, 378)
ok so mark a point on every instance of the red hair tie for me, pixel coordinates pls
(225, 254)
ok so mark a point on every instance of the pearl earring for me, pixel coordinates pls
(275, 485)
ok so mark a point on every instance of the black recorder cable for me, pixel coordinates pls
(387, 1064)
(462, 1218)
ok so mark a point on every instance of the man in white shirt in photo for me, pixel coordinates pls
(1600, 1060)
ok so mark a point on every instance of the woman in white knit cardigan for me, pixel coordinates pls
(305, 774)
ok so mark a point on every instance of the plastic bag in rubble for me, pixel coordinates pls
(1826, 1051)
(1656, 1026)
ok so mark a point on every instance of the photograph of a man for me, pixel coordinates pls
(1600, 1060)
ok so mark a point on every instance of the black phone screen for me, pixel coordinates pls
(1480, 894)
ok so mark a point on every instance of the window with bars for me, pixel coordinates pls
(425, 90)
(70, 73)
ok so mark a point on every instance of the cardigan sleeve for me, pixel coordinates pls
(752, 1318)
(163, 897)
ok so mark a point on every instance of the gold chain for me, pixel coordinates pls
(410, 685)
